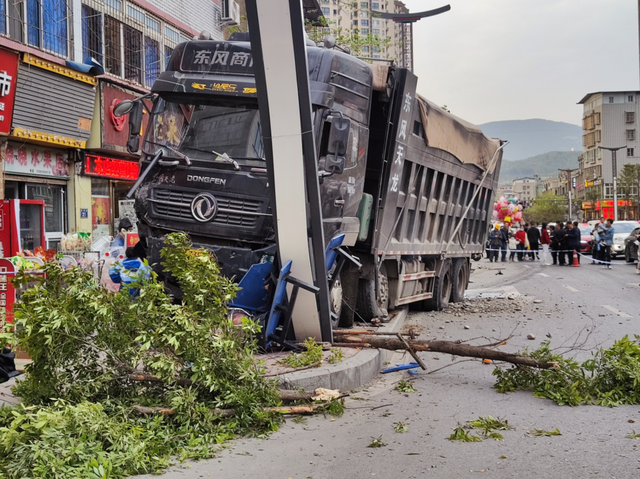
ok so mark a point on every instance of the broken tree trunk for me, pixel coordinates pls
(448, 347)
(165, 411)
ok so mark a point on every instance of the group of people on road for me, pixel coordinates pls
(562, 240)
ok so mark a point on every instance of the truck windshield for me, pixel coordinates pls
(205, 132)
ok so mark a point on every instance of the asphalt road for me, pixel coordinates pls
(581, 308)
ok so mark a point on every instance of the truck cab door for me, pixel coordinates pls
(341, 191)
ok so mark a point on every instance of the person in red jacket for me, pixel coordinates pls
(545, 241)
(521, 238)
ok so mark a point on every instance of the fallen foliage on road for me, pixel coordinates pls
(610, 378)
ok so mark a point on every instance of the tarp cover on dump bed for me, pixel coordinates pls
(462, 139)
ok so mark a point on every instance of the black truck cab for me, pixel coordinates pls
(211, 180)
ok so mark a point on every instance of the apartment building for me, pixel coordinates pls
(524, 189)
(379, 38)
(610, 119)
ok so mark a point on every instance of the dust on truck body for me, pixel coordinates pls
(408, 174)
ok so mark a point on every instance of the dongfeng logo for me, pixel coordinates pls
(204, 207)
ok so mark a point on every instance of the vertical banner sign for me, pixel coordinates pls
(280, 64)
(8, 82)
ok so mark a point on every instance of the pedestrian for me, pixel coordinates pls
(494, 243)
(606, 241)
(595, 240)
(124, 227)
(545, 241)
(521, 238)
(513, 246)
(573, 241)
(504, 239)
(560, 242)
(553, 246)
(533, 235)
(130, 271)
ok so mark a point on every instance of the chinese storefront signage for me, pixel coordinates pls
(105, 167)
(224, 58)
(33, 160)
(8, 82)
(115, 130)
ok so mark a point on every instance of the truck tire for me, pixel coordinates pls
(367, 305)
(441, 289)
(459, 280)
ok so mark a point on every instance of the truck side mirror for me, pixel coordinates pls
(135, 124)
(337, 146)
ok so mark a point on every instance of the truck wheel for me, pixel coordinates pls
(459, 280)
(441, 289)
(367, 306)
(335, 302)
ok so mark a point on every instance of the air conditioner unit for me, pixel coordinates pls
(230, 12)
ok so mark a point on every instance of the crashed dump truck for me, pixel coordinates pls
(408, 184)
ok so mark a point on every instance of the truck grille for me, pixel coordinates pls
(176, 205)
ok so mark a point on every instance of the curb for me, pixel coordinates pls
(351, 373)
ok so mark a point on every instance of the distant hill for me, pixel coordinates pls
(528, 138)
(543, 165)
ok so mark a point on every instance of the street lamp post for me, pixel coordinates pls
(614, 167)
(569, 186)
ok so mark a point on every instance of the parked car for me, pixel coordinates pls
(585, 238)
(621, 230)
(630, 246)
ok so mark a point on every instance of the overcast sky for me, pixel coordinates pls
(491, 60)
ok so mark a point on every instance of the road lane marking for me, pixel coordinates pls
(542, 274)
(614, 310)
(571, 288)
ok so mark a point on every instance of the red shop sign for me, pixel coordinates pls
(8, 83)
(105, 167)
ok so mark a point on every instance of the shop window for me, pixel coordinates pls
(100, 208)
(54, 208)
(47, 25)
(91, 33)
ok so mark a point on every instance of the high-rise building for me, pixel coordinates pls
(369, 37)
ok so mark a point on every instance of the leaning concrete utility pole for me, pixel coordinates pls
(276, 32)
(614, 169)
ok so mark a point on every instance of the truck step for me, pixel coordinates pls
(417, 297)
(414, 276)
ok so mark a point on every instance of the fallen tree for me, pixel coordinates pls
(387, 341)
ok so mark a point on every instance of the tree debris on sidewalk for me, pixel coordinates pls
(97, 355)
(385, 341)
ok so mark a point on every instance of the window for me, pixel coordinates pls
(375, 31)
(610, 99)
(631, 134)
(375, 5)
(364, 14)
(47, 25)
(365, 49)
(630, 98)
(630, 116)
(364, 31)
(167, 55)
(376, 49)
(135, 54)
(325, 2)
(115, 4)
(364, 23)
(355, 22)
(151, 60)
(375, 23)
(91, 30)
(3, 18)
(325, 11)
(629, 151)
(364, 4)
(335, 11)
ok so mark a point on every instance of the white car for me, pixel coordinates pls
(621, 230)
